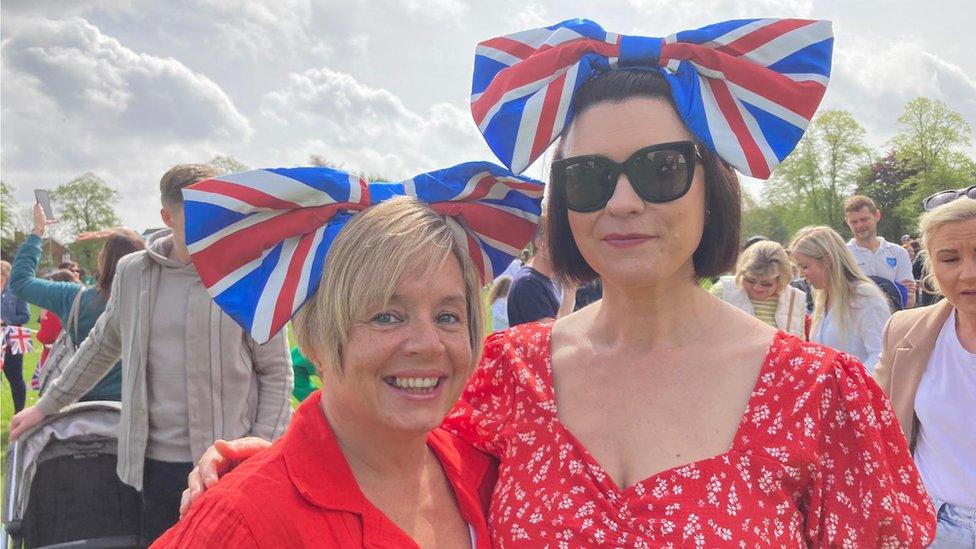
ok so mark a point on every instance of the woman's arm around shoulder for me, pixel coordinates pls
(864, 489)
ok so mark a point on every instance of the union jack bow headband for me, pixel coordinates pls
(747, 89)
(259, 238)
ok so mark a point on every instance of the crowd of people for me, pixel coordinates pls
(647, 380)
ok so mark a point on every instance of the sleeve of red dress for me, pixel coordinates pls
(486, 404)
(212, 522)
(865, 490)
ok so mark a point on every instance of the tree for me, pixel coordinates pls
(86, 203)
(11, 219)
(13, 222)
(929, 141)
(812, 182)
(762, 220)
(228, 164)
(320, 161)
(888, 183)
(929, 130)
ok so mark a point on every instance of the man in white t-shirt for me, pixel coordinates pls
(875, 255)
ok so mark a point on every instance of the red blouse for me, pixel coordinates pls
(818, 459)
(300, 492)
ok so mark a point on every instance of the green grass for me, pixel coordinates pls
(6, 400)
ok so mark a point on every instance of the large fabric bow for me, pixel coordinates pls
(747, 89)
(259, 238)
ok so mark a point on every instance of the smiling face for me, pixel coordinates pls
(631, 242)
(813, 270)
(404, 366)
(952, 249)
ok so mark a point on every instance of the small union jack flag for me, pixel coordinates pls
(747, 89)
(259, 238)
(18, 339)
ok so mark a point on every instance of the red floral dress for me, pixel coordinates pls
(818, 459)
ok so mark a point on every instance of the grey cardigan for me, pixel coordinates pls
(235, 387)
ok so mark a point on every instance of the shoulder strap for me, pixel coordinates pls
(789, 314)
(73, 315)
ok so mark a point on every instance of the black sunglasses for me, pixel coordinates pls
(944, 197)
(659, 173)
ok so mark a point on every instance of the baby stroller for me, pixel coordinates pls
(61, 489)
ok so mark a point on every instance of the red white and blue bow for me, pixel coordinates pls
(259, 238)
(747, 89)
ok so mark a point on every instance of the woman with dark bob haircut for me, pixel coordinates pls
(659, 415)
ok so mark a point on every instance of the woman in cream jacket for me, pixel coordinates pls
(928, 369)
(761, 287)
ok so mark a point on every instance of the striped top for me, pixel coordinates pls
(766, 309)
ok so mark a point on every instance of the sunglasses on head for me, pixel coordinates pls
(659, 173)
(944, 197)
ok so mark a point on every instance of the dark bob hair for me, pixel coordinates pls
(719, 246)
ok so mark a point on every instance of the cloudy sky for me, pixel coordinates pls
(127, 88)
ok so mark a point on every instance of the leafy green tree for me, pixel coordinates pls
(812, 183)
(86, 203)
(930, 141)
(11, 219)
(228, 164)
(322, 162)
(887, 182)
(13, 223)
(765, 220)
(928, 131)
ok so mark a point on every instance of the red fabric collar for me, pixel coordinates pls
(315, 462)
(319, 471)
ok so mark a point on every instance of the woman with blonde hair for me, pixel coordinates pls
(392, 316)
(660, 416)
(928, 368)
(849, 311)
(761, 287)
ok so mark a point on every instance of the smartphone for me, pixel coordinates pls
(44, 199)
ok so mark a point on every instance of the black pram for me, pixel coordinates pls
(61, 488)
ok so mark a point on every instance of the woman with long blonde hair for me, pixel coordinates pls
(849, 311)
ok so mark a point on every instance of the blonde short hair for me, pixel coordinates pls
(763, 259)
(366, 263)
(957, 211)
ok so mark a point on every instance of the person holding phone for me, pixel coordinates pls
(59, 297)
(44, 200)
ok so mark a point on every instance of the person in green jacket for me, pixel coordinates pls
(304, 370)
(58, 297)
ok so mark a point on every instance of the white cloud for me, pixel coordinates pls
(875, 80)
(68, 74)
(366, 129)
(690, 15)
(76, 100)
(127, 88)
